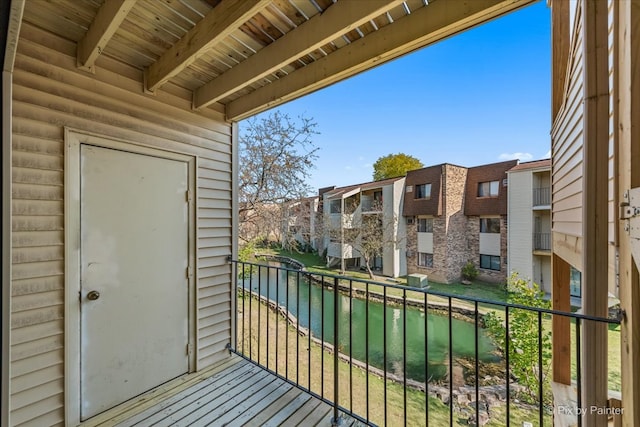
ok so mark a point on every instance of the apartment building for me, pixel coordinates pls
(350, 213)
(300, 223)
(529, 235)
(454, 215)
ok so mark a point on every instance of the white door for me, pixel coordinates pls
(134, 288)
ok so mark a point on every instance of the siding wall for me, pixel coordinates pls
(49, 94)
(566, 139)
(519, 253)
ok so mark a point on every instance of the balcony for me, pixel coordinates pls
(362, 350)
(542, 198)
(542, 242)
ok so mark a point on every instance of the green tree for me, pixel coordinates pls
(394, 165)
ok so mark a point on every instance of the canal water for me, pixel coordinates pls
(306, 302)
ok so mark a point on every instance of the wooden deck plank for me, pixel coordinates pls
(244, 413)
(148, 400)
(253, 402)
(208, 411)
(316, 416)
(235, 392)
(186, 406)
(268, 412)
(220, 378)
(297, 417)
(288, 410)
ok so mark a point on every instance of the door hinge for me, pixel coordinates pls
(189, 349)
(189, 272)
(189, 196)
(630, 207)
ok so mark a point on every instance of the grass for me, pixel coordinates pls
(312, 367)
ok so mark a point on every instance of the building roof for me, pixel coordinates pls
(340, 191)
(535, 164)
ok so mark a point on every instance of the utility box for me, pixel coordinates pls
(418, 280)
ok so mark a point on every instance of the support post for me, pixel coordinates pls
(628, 144)
(561, 324)
(595, 217)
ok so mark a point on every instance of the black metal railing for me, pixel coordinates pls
(542, 196)
(542, 241)
(305, 328)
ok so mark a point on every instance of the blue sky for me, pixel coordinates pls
(479, 97)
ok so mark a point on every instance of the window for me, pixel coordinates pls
(425, 259)
(490, 262)
(575, 287)
(490, 225)
(335, 206)
(425, 225)
(423, 191)
(488, 189)
(377, 196)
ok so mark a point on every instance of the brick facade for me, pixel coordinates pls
(456, 219)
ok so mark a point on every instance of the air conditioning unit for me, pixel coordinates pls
(410, 220)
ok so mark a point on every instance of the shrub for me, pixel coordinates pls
(469, 271)
(524, 342)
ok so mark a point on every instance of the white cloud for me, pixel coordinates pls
(548, 154)
(524, 157)
(348, 168)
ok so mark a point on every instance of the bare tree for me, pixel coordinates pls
(368, 234)
(276, 155)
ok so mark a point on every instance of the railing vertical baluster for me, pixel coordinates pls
(259, 307)
(234, 281)
(506, 320)
(286, 324)
(426, 360)
(404, 351)
(477, 365)
(268, 335)
(384, 349)
(277, 310)
(450, 364)
(322, 339)
(579, 371)
(244, 295)
(351, 345)
(540, 383)
(250, 311)
(309, 339)
(336, 396)
(366, 344)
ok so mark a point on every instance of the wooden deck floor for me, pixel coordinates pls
(235, 393)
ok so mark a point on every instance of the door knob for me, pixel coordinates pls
(93, 295)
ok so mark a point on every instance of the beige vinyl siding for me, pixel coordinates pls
(50, 93)
(520, 229)
(567, 134)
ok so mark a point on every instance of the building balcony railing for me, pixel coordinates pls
(542, 196)
(387, 354)
(541, 241)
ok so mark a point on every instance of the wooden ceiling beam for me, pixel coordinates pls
(223, 19)
(108, 19)
(341, 17)
(427, 25)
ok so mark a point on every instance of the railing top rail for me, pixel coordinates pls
(442, 294)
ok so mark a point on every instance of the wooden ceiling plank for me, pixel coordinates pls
(214, 27)
(103, 27)
(311, 35)
(425, 26)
